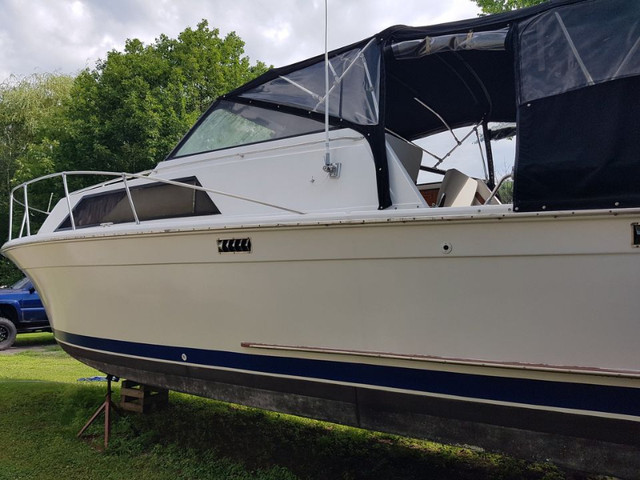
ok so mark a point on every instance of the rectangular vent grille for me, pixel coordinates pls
(234, 245)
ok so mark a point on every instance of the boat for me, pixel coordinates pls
(287, 256)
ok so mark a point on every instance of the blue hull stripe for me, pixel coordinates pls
(599, 398)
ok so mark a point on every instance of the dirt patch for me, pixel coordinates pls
(13, 350)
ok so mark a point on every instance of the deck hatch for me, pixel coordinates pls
(234, 245)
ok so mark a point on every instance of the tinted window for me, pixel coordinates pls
(231, 124)
(152, 202)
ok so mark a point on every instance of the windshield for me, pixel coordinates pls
(231, 124)
(21, 284)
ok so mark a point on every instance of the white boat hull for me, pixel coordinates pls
(466, 317)
(382, 293)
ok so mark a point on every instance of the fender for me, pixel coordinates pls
(6, 304)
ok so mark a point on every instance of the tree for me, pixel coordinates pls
(497, 6)
(31, 118)
(132, 109)
(505, 192)
(31, 115)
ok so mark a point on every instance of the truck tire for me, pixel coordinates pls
(7, 333)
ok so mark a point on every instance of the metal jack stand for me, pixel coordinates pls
(106, 406)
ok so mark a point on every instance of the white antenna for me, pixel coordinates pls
(333, 169)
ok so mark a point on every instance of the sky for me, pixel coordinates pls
(66, 36)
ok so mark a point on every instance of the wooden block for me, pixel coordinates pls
(136, 397)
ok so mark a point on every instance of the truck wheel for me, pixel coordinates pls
(7, 333)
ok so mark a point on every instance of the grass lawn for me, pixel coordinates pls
(43, 406)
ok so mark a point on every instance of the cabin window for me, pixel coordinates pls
(231, 124)
(152, 202)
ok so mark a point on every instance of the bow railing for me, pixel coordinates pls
(118, 177)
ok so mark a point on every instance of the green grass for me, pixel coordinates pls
(35, 339)
(46, 363)
(43, 406)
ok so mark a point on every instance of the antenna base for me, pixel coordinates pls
(333, 169)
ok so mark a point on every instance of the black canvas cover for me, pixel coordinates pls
(354, 80)
(467, 76)
(579, 107)
(566, 70)
(580, 150)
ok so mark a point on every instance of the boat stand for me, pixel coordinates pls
(106, 407)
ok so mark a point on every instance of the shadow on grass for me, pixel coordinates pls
(193, 437)
(311, 449)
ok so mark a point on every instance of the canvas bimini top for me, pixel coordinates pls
(566, 72)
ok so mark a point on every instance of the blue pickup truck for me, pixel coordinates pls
(21, 311)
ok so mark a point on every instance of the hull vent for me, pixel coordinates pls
(234, 245)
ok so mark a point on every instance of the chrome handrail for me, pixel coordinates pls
(133, 207)
(125, 179)
(494, 192)
(66, 196)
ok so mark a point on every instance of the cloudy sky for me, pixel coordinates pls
(65, 36)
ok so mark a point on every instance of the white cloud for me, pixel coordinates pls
(277, 34)
(77, 9)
